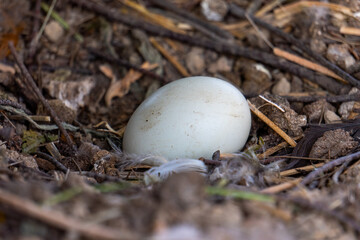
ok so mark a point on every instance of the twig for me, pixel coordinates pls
(32, 85)
(235, 10)
(58, 220)
(210, 30)
(47, 18)
(171, 59)
(271, 124)
(103, 177)
(233, 49)
(298, 170)
(328, 166)
(61, 21)
(49, 158)
(276, 148)
(281, 187)
(125, 64)
(331, 99)
(153, 17)
(350, 31)
(7, 102)
(36, 26)
(292, 57)
(21, 113)
(306, 63)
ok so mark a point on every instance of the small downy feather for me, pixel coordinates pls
(131, 160)
(157, 174)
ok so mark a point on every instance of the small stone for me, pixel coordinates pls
(354, 90)
(256, 79)
(331, 117)
(195, 61)
(282, 87)
(214, 10)
(318, 46)
(345, 109)
(297, 84)
(314, 110)
(54, 31)
(223, 64)
(340, 55)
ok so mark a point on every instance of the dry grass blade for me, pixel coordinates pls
(282, 187)
(300, 169)
(169, 57)
(153, 17)
(306, 63)
(7, 68)
(271, 124)
(273, 150)
(350, 31)
(294, 8)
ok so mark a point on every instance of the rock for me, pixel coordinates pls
(214, 10)
(223, 64)
(297, 84)
(54, 31)
(317, 45)
(256, 79)
(345, 109)
(195, 61)
(340, 55)
(333, 144)
(282, 87)
(315, 110)
(331, 117)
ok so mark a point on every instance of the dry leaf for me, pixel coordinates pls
(107, 71)
(7, 68)
(122, 87)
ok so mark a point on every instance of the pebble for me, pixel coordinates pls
(346, 107)
(340, 55)
(256, 79)
(282, 87)
(214, 10)
(195, 61)
(331, 117)
(223, 64)
(54, 31)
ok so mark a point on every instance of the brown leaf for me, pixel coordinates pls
(122, 87)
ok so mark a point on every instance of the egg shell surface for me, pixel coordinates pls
(189, 118)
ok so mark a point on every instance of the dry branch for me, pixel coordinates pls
(58, 220)
(221, 47)
(32, 85)
(338, 71)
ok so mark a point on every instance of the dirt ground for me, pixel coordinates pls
(72, 72)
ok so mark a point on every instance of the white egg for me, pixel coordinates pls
(189, 118)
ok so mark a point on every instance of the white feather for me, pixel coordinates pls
(158, 174)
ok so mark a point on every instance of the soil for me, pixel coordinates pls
(73, 72)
